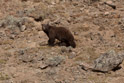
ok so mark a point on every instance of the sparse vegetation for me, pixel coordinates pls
(25, 56)
(4, 76)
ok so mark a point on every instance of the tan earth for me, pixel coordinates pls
(25, 56)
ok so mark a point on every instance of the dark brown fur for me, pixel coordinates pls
(60, 33)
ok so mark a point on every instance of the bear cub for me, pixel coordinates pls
(60, 33)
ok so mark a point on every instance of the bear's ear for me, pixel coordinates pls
(45, 27)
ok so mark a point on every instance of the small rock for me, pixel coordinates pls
(109, 2)
(41, 65)
(12, 36)
(27, 58)
(76, 33)
(40, 58)
(31, 44)
(106, 13)
(66, 49)
(72, 55)
(23, 28)
(55, 61)
(21, 52)
(52, 72)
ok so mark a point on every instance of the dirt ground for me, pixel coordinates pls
(25, 56)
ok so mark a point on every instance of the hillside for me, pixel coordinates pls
(25, 56)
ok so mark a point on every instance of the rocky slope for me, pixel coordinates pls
(25, 56)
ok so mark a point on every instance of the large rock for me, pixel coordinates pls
(107, 62)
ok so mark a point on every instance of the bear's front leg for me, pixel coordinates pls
(51, 42)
